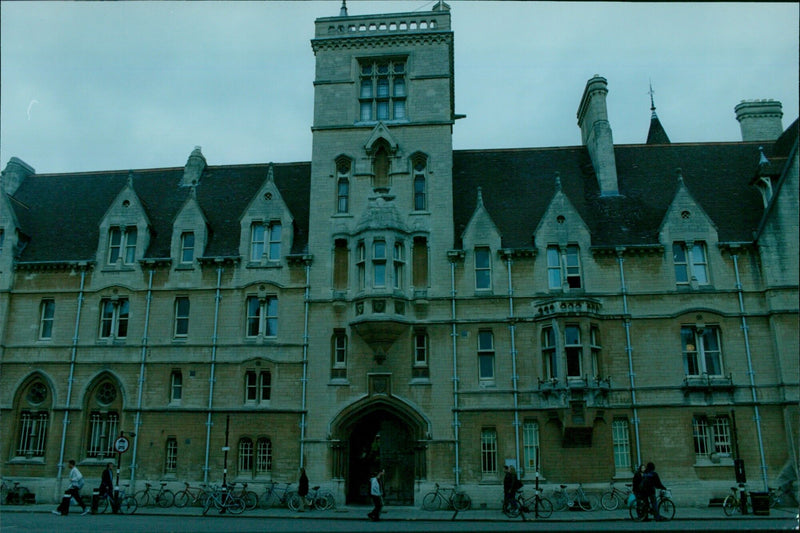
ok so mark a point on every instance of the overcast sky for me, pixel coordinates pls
(119, 85)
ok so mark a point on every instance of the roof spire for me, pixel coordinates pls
(652, 103)
(656, 134)
(343, 10)
(480, 197)
(558, 180)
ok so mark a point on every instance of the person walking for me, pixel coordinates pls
(511, 485)
(376, 492)
(302, 489)
(106, 488)
(75, 485)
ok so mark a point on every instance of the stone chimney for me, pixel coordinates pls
(14, 174)
(194, 168)
(760, 120)
(596, 134)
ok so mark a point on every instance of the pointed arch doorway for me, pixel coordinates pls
(379, 435)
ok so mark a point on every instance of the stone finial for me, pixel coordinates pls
(130, 179)
(480, 197)
(762, 160)
(195, 166)
(343, 9)
(558, 181)
(679, 175)
(270, 173)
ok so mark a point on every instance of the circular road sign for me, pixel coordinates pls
(121, 445)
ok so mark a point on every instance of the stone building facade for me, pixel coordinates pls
(396, 303)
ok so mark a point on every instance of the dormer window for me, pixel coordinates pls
(122, 244)
(265, 241)
(187, 247)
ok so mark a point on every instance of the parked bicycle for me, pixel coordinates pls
(276, 495)
(446, 498)
(641, 508)
(541, 507)
(163, 498)
(563, 499)
(125, 503)
(249, 497)
(224, 501)
(777, 496)
(191, 495)
(732, 504)
(317, 498)
(615, 497)
(16, 494)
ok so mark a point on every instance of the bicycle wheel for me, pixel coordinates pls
(142, 498)
(235, 505)
(165, 498)
(609, 501)
(431, 501)
(511, 508)
(182, 499)
(324, 501)
(666, 509)
(589, 502)
(461, 501)
(640, 510)
(211, 501)
(128, 505)
(541, 507)
(559, 500)
(250, 500)
(102, 504)
(730, 506)
(294, 501)
(268, 499)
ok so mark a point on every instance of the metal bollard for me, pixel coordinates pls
(65, 503)
(95, 500)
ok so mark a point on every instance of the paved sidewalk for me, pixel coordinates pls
(353, 512)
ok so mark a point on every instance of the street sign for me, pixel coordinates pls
(121, 445)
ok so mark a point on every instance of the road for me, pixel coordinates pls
(19, 522)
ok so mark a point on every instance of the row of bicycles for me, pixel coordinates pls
(232, 498)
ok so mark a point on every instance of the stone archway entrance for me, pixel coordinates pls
(380, 432)
(381, 440)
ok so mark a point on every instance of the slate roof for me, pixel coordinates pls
(517, 186)
(62, 212)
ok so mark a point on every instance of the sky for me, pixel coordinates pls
(89, 86)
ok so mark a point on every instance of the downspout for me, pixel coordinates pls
(306, 299)
(211, 378)
(629, 352)
(514, 377)
(138, 421)
(73, 355)
(454, 334)
(751, 373)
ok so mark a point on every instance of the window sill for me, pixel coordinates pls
(184, 267)
(707, 463)
(114, 268)
(420, 381)
(174, 403)
(338, 382)
(180, 340)
(26, 461)
(487, 385)
(342, 215)
(260, 340)
(420, 212)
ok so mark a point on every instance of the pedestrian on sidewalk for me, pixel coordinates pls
(302, 489)
(376, 493)
(106, 488)
(651, 482)
(75, 485)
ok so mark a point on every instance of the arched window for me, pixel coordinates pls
(263, 456)
(343, 167)
(34, 415)
(245, 456)
(420, 200)
(104, 404)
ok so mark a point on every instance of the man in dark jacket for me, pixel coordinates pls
(302, 488)
(107, 485)
(651, 482)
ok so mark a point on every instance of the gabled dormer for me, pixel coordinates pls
(266, 227)
(481, 240)
(189, 234)
(688, 235)
(124, 231)
(563, 240)
(380, 162)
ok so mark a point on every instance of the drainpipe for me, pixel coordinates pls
(454, 334)
(138, 421)
(306, 298)
(514, 377)
(629, 351)
(73, 355)
(751, 373)
(211, 378)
